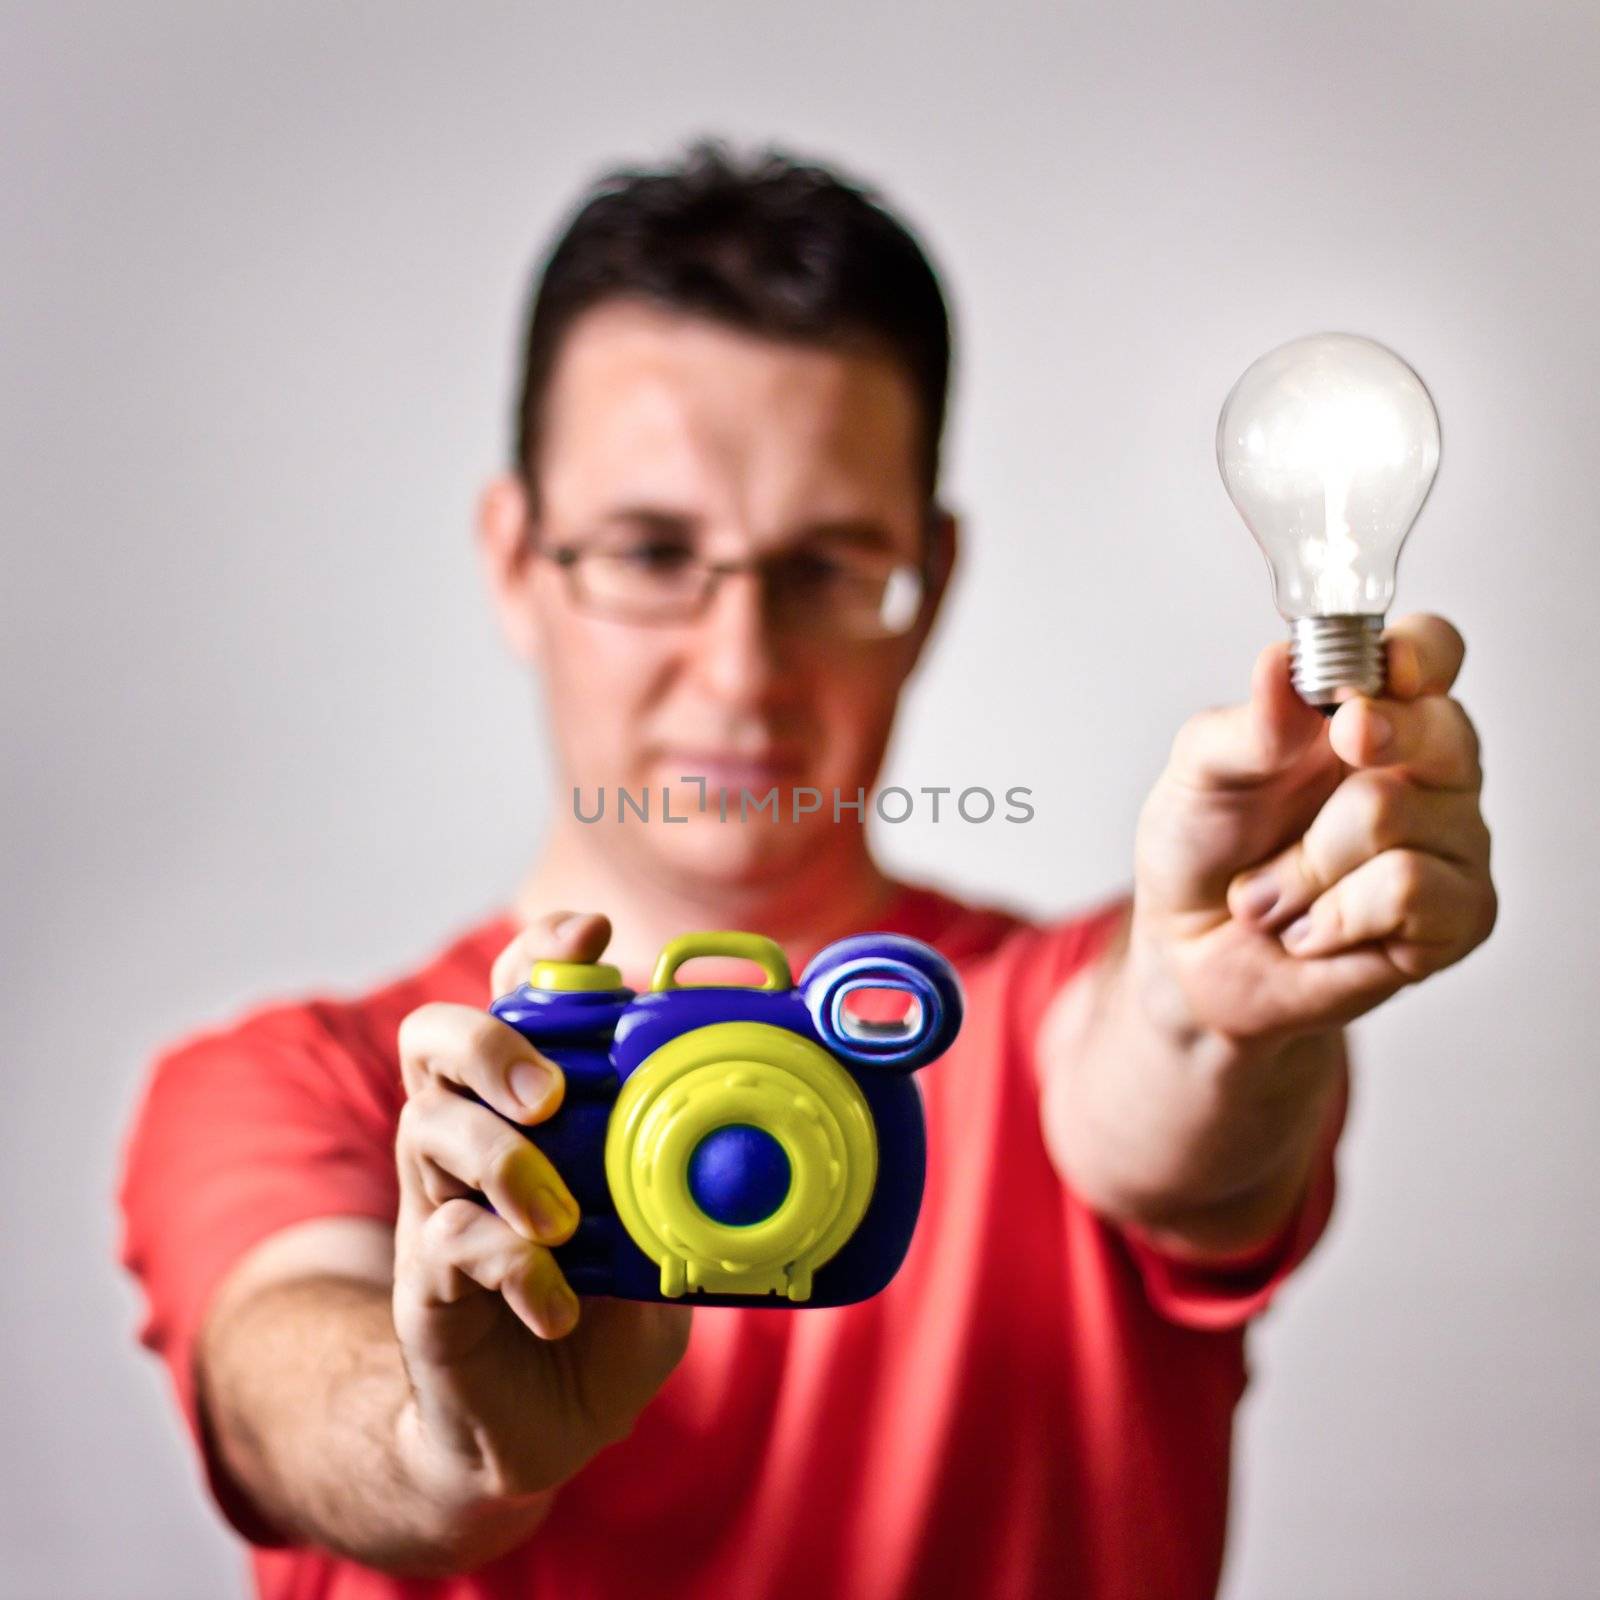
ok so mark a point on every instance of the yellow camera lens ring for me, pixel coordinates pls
(766, 1077)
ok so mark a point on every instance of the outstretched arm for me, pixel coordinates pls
(305, 1395)
(1206, 1147)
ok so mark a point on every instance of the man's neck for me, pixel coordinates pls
(828, 894)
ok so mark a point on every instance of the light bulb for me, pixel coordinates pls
(1328, 446)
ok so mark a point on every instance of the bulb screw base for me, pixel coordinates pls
(1335, 657)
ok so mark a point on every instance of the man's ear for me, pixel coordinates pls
(505, 550)
(944, 538)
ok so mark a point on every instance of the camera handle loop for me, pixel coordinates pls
(766, 953)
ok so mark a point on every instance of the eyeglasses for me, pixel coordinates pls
(842, 594)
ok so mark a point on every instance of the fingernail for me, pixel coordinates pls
(553, 1219)
(565, 922)
(1258, 896)
(1298, 931)
(1382, 730)
(560, 1310)
(532, 1083)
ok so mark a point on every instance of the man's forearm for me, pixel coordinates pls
(306, 1398)
(1204, 1144)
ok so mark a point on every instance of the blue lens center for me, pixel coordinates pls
(738, 1174)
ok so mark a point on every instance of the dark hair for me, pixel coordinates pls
(765, 243)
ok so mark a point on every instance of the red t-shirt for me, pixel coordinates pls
(1039, 1404)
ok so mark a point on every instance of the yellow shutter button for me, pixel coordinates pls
(574, 975)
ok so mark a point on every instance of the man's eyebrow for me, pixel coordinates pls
(863, 531)
(655, 519)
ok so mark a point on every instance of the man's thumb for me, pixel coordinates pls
(1236, 746)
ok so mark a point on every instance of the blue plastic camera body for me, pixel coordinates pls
(740, 1145)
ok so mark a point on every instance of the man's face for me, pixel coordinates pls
(659, 425)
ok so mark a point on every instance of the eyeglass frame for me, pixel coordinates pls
(567, 557)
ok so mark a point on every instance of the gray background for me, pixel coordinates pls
(261, 277)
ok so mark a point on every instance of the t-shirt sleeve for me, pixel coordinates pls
(1215, 1294)
(240, 1134)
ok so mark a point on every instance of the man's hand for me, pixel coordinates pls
(1294, 870)
(411, 1397)
(512, 1389)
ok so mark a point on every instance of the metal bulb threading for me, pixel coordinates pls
(1330, 654)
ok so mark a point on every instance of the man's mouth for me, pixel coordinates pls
(731, 770)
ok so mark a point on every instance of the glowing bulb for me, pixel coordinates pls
(1328, 446)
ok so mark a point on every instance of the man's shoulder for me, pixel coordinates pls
(457, 971)
(977, 931)
(357, 1024)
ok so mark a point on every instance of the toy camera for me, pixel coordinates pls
(741, 1144)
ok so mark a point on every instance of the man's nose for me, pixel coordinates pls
(736, 649)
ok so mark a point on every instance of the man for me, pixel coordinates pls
(722, 547)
